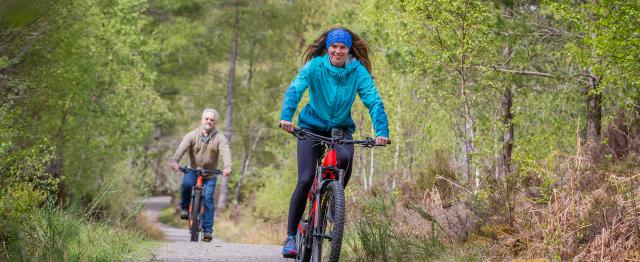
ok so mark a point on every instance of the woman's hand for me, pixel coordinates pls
(381, 140)
(286, 125)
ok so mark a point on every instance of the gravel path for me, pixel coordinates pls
(177, 246)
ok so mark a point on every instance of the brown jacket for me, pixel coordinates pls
(204, 151)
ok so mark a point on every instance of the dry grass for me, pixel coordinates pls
(427, 217)
(142, 224)
(240, 226)
(590, 212)
(592, 216)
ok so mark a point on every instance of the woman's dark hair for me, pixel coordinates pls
(359, 48)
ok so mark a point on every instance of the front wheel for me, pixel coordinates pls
(328, 239)
(194, 219)
(302, 244)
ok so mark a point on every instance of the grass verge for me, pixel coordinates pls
(239, 225)
(169, 217)
(51, 234)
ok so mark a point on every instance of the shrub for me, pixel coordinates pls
(53, 235)
(377, 236)
(592, 216)
(272, 200)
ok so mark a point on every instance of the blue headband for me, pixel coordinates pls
(339, 36)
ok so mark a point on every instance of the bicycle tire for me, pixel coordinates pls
(304, 250)
(195, 216)
(331, 199)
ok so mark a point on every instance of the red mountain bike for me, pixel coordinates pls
(196, 208)
(319, 235)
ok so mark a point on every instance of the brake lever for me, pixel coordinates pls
(370, 142)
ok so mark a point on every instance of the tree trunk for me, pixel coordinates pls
(249, 153)
(222, 200)
(54, 168)
(464, 161)
(508, 136)
(507, 145)
(594, 110)
(497, 154)
(245, 166)
(594, 96)
(506, 102)
(468, 146)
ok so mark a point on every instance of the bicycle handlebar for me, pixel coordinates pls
(368, 142)
(185, 169)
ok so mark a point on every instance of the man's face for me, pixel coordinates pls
(208, 121)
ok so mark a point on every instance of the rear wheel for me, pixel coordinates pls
(194, 219)
(326, 246)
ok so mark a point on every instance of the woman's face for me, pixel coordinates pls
(338, 53)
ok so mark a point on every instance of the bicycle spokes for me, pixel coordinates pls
(327, 225)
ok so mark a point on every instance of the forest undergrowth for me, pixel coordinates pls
(584, 209)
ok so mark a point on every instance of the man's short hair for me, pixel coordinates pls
(210, 110)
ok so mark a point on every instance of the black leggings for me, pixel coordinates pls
(309, 152)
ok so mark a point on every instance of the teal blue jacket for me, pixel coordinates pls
(332, 91)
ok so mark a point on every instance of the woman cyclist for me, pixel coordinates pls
(337, 67)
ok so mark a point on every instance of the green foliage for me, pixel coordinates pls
(272, 200)
(169, 216)
(17, 204)
(93, 93)
(4, 61)
(77, 100)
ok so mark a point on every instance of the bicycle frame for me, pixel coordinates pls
(311, 231)
(325, 173)
(197, 187)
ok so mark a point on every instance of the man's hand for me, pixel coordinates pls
(226, 172)
(175, 166)
(286, 125)
(381, 140)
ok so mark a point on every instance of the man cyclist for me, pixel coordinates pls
(204, 145)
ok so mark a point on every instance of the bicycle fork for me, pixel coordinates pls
(197, 187)
(316, 231)
(193, 196)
